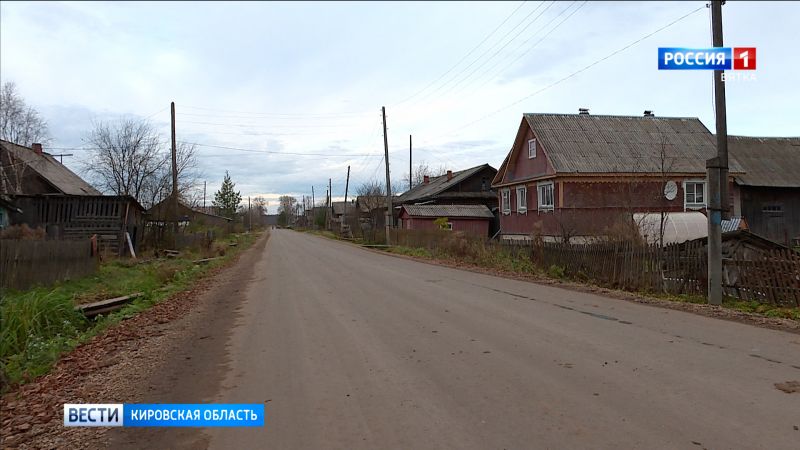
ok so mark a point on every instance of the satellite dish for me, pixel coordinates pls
(670, 190)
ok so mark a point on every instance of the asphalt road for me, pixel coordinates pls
(354, 349)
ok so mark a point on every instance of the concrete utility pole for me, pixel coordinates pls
(717, 169)
(346, 187)
(174, 169)
(388, 181)
(410, 167)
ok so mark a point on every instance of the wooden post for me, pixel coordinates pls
(346, 187)
(174, 169)
(389, 212)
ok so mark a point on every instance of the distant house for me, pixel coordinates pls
(573, 175)
(338, 211)
(163, 213)
(769, 189)
(472, 219)
(46, 194)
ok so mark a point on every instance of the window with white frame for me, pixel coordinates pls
(506, 201)
(532, 149)
(522, 199)
(546, 196)
(449, 226)
(694, 194)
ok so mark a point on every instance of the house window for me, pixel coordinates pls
(532, 149)
(546, 197)
(506, 201)
(522, 200)
(694, 194)
(449, 226)
(772, 209)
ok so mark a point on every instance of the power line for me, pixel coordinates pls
(282, 114)
(463, 57)
(497, 52)
(559, 81)
(535, 44)
(489, 49)
(275, 152)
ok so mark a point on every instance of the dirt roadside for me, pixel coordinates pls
(136, 361)
(718, 312)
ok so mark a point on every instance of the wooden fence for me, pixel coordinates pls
(773, 277)
(27, 263)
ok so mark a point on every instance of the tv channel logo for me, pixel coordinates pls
(93, 415)
(715, 58)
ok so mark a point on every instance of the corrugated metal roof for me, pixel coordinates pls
(471, 211)
(576, 143)
(51, 170)
(338, 207)
(767, 161)
(732, 224)
(439, 184)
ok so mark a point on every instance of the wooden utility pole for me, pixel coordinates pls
(720, 108)
(204, 197)
(330, 203)
(717, 169)
(174, 169)
(313, 205)
(249, 216)
(388, 180)
(410, 167)
(346, 187)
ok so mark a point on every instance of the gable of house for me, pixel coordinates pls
(51, 177)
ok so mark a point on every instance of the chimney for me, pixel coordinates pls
(648, 113)
(583, 111)
(426, 179)
(449, 175)
(37, 148)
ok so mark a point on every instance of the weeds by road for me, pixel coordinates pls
(41, 324)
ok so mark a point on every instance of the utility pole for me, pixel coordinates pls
(249, 216)
(346, 187)
(204, 197)
(174, 168)
(313, 205)
(410, 169)
(388, 181)
(717, 169)
(720, 108)
(330, 203)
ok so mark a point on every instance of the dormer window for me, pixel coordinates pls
(532, 149)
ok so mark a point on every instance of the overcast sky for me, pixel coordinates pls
(311, 77)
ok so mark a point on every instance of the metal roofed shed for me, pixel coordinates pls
(473, 219)
(767, 161)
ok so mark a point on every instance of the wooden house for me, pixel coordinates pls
(579, 175)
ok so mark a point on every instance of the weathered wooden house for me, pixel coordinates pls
(579, 175)
(47, 194)
(163, 213)
(768, 194)
(465, 187)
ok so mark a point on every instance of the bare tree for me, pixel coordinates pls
(159, 187)
(371, 194)
(20, 123)
(422, 170)
(128, 158)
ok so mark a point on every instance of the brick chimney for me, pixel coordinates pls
(37, 148)
(426, 179)
(449, 175)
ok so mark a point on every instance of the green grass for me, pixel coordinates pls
(411, 251)
(37, 326)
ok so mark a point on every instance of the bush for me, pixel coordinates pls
(555, 271)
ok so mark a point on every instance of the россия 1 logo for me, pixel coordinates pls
(715, 58)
